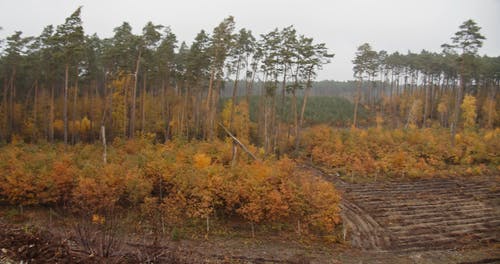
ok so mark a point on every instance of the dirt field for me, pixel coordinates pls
(419, 215)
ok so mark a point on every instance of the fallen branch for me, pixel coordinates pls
(238, 142)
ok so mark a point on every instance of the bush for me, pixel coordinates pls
(399, 153)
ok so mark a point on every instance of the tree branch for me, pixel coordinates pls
(239, 142)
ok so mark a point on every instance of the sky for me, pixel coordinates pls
(391, 25)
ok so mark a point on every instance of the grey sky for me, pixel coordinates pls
(392, 25)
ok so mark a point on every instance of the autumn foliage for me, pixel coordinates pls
(408, 152)
(170, 184)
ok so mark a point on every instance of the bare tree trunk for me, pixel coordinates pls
(248, 84)
(212, 118)
(105, 152)
(282, 113)
(458, 101)
(134, 96)
(11, 102)
(370, 90)
(266, 124)
(125, 106)
(273, 122)
(434, 93)
(74, 131)
(91, 110)
(262, 115)
(35, 109)
(426, 103)
(302, 112)
(51, 119)
(65, 110)
(163, 115)
(143, 104)
(184, 124)
(235, 90)
(208, 103)
(356, 103)
(295, 118)
(5, 109)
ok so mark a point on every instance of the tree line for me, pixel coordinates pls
(418, 88)
(65, 85)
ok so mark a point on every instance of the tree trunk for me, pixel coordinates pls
(91, 110)
(248, 90)
(302, 112)
(163, 115)
(356, 103)
(105, 151)
(10, 117)
(235, 90)
(65, 110)
(273, 122)
(426, 99)
(215, 97)
(125, 106)
(51, 119)
(282, 113)
(143, 105)
(295, 118)
(75, 95)
(35, 109)
(208, 104)
(134, 96)
(458, 101)
(5, 109)
(184, 124)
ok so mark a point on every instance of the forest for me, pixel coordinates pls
(199, 136)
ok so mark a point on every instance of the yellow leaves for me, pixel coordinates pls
(98, 219)
(137, 186)
(276, 207)
(442, 107)
(379, 120)
(28, 127)
(121, 86)
(226, 112)
(363, 134)
(85, 125)
(176, 181)
(201, 160)
(418, 152)
(285, 166)
(241, 119)
(325, 201)
(415, 114)
(489, 112)
(74, 127)
(16, 139)
(492, 134)
(58, 125)
(469, 112)
(93, 194)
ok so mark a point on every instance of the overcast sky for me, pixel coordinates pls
(392, 25)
